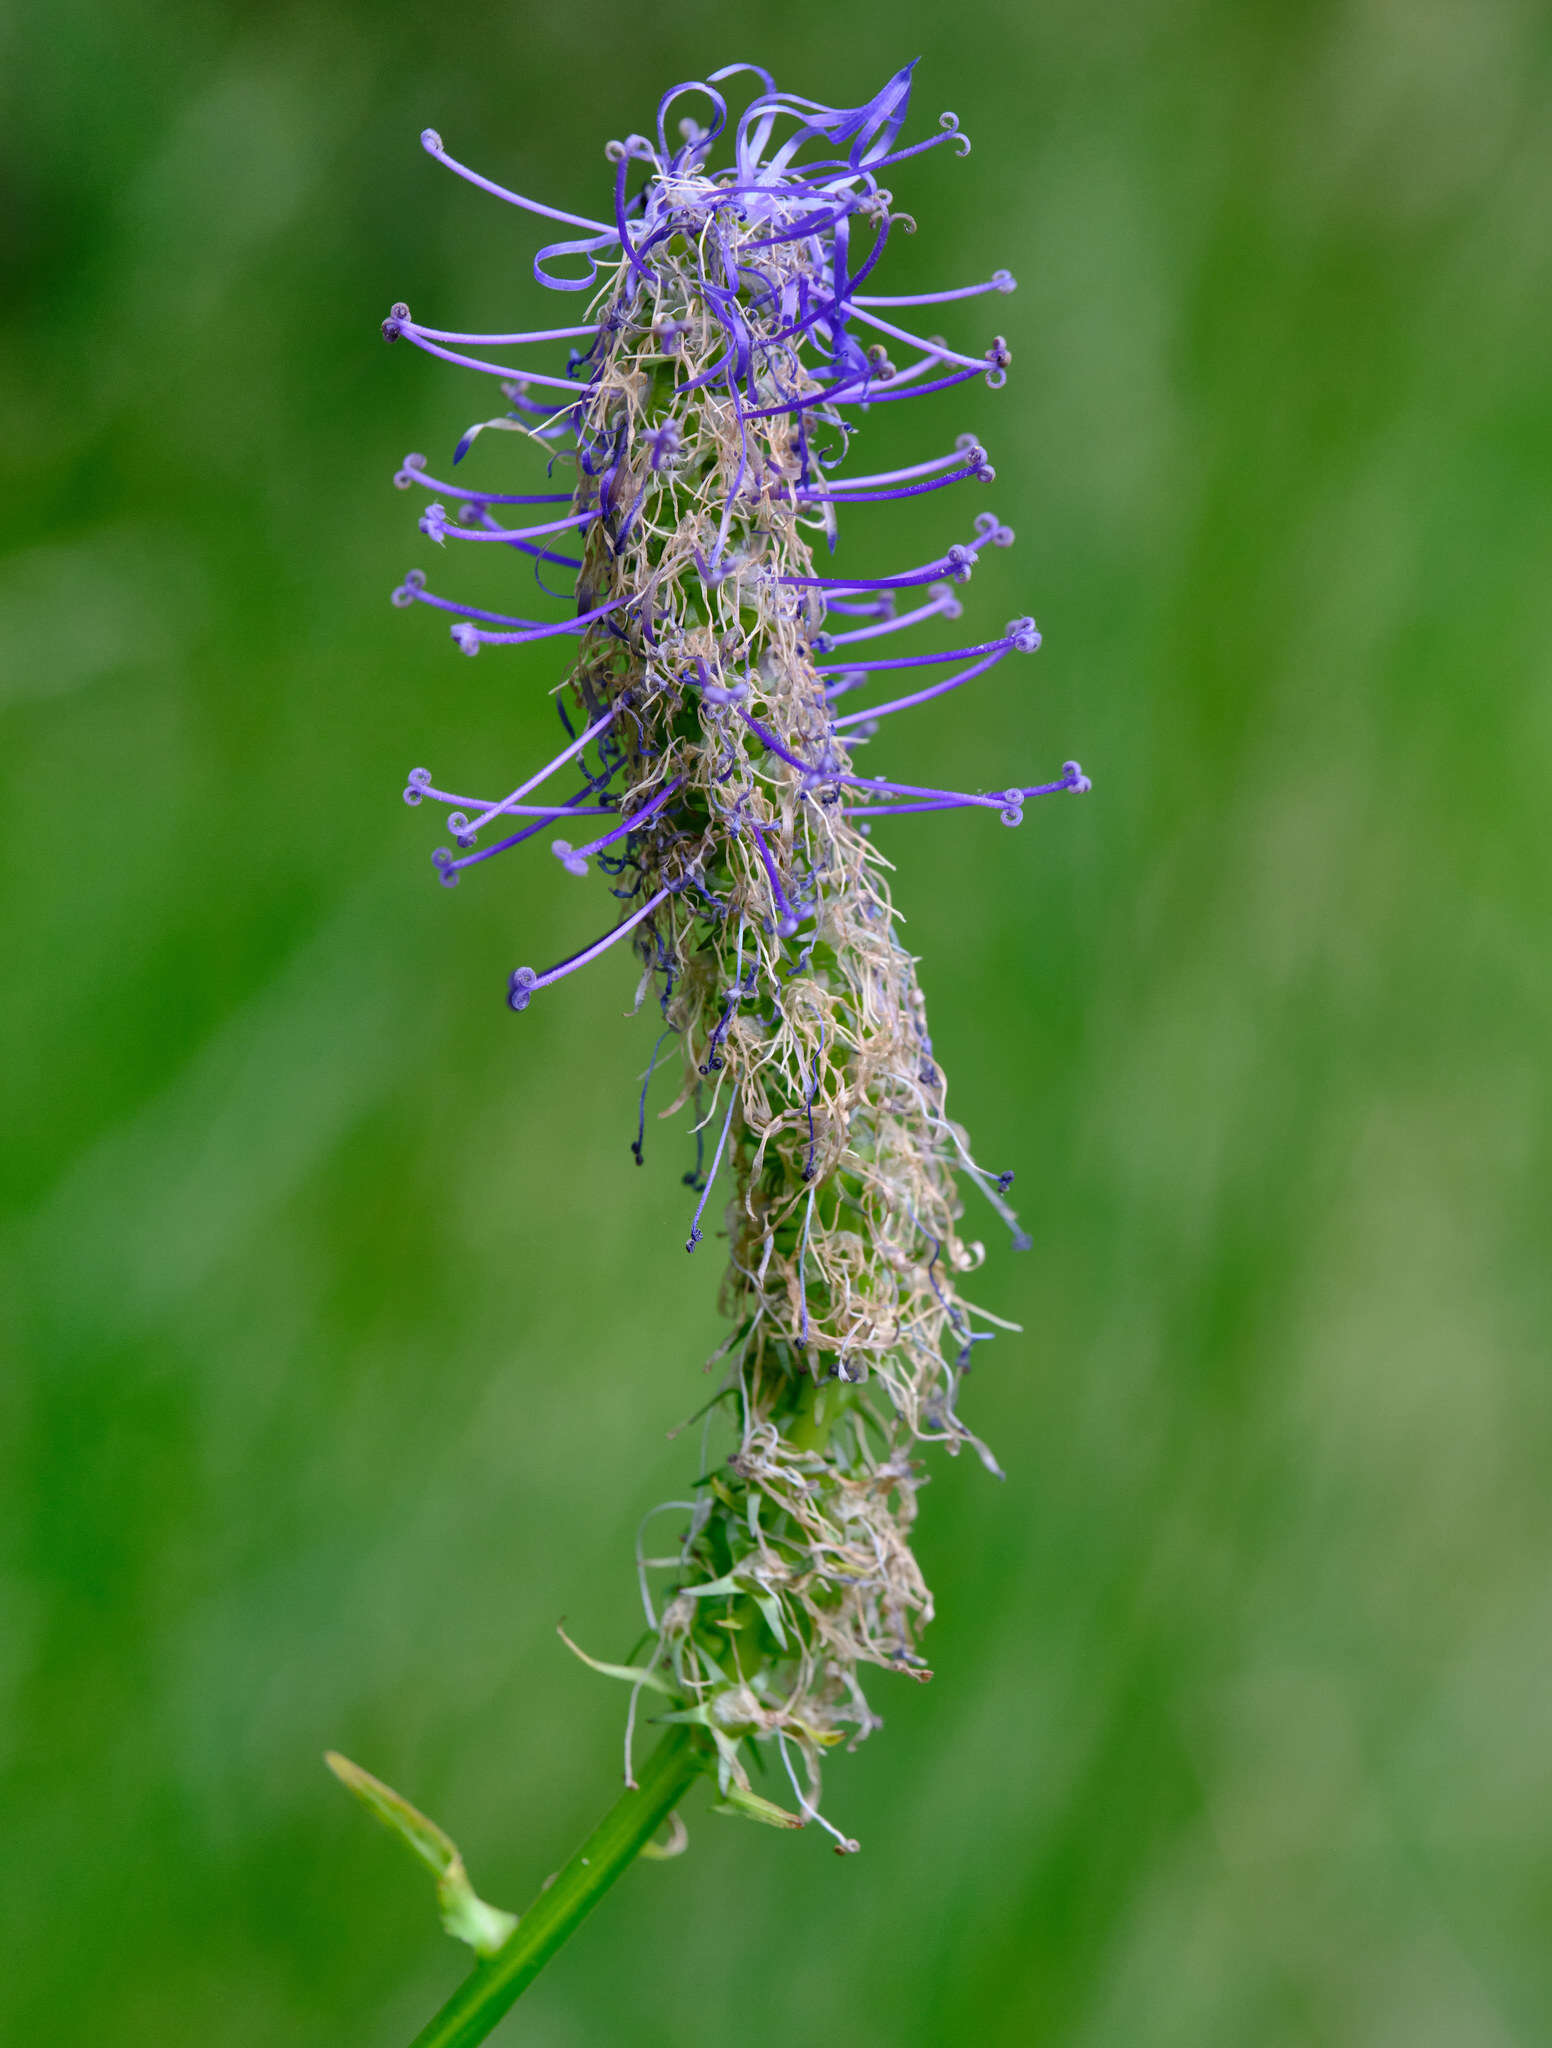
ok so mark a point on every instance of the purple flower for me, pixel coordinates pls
(703, 416)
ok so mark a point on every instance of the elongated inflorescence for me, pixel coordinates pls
(703, 417)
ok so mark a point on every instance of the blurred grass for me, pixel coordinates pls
(342, 1335)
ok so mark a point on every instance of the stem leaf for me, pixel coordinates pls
(466, 1916)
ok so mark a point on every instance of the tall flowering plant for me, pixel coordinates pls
(725, 690)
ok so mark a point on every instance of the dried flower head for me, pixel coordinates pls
(729, 348)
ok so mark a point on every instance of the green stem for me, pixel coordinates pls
(482, 1999)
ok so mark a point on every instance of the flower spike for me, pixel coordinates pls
(702, 423)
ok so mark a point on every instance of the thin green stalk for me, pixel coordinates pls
(484, 1997)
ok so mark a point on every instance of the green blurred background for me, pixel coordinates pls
(343, 1336)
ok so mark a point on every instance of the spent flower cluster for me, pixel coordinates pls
(728, 348)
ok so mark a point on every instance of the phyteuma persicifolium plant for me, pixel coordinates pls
(729, 349)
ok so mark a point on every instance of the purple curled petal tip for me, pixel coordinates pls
(466, 635)
(430, 142)
(1004, 280)
(521, 987)
(949, 123)
(1075, 778)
